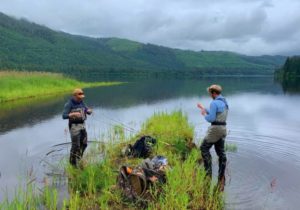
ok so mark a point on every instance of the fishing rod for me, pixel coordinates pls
(66, 143)
(130, 129)
(124, 126)
(119, 122)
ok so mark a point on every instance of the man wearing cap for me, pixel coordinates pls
(216, 133)
(75, 110)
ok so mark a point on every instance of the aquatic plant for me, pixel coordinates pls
(230, 147)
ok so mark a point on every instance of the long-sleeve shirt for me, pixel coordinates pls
(73, 105)
(219, 104)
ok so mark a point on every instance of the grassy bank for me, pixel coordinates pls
(17, 85)
(94, 187)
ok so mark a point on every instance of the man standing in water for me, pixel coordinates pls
(75, 110)
(216, 133)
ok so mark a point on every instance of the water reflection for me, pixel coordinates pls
(263, 122)
(292, 85)
(29, 112)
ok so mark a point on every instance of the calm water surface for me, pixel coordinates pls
(264, 123)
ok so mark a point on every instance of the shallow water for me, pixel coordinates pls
(263, 122)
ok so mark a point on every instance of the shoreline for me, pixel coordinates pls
(27, 85)
(94, 185)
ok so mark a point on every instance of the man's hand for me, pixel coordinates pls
(89, 111)
(74, 115)
(200, 106)
(203, 111)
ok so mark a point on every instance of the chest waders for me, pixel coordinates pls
(78, 136)
(215, 136)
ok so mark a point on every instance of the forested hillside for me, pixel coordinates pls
(290, 70)
(289, 74)
(29, 46)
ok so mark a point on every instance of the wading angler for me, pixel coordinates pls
(216, 133)
(76, 111)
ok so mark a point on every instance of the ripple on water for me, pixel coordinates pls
(258, 171)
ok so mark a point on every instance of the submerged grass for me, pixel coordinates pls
(16, 85)
(230, 147)
(94, 187)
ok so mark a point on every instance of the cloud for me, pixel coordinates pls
(246, 26)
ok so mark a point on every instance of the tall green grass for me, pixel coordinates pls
(25, 197)
(94, 186)
(16, 85)
(187, 186)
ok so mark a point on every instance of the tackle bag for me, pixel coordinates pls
(134, 182)
(142, 148)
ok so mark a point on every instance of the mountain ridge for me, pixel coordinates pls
(29, 46)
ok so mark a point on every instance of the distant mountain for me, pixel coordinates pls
(28, 46)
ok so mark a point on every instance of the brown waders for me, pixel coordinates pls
(220, 150)
(215, 136)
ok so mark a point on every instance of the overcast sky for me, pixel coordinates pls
(251, 27)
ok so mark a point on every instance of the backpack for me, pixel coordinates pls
(132, 182)
(135, 182)
(142, 148)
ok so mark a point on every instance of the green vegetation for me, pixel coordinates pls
(230, 147)
(228, 63)
(28, 46)
(17, 85)
(289, 74)
(290, 70)
(123, 45)
(94, 186)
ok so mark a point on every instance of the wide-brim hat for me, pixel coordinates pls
(214, 88)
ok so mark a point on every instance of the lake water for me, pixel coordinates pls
(264, 123)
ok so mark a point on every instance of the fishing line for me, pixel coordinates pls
(119, 122)
(67, 143)
(112, 125)
(126, 127)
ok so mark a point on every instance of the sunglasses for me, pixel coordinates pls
(80, 94)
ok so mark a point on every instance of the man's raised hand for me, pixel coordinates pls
(200, 106)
